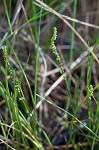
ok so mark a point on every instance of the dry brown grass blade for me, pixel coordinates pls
(81, 22)
(45, 6)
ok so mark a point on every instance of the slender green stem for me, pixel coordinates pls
(8, 17)
(72, 34)
(36, 72)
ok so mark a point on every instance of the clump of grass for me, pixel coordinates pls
(19, 128)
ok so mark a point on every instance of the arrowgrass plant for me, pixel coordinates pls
(22, 100)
